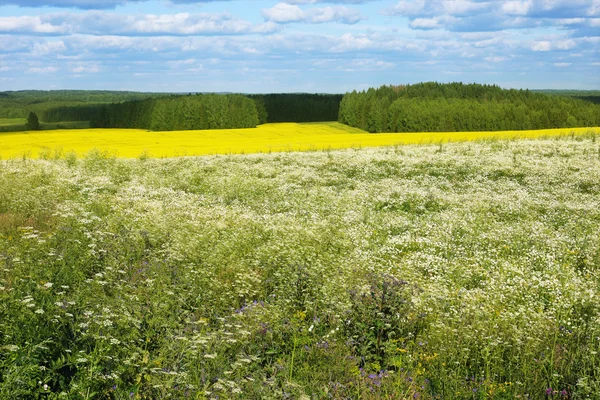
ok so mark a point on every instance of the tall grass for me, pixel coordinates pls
(462, 271)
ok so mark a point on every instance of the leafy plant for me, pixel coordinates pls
(383, 314)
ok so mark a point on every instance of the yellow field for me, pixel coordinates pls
(265, 138)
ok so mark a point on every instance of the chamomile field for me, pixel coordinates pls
(274, 137)
(439, 271)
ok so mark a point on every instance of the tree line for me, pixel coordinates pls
(200, 111)
(592, 96)
(427, 106)
(18, 104)
(299, 107)
(435, 107)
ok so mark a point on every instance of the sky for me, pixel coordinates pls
(315, 46)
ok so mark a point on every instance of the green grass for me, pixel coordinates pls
(18, 124)
(12, 122)
(454, 271)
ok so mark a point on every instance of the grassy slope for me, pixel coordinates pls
(265, 138)
(12, 121)
(261, 276)
(17, 125)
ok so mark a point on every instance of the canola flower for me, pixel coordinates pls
(279, 137)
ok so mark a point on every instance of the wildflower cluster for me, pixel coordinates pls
(401, 272)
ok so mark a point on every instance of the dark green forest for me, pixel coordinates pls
(592, 96)
(20, 103)
(200, 111)
(299, 107)
(436, 107)
(282, 107)
(161, 111)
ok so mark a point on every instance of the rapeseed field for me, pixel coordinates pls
(281, 137)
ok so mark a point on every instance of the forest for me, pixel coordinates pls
(423, 107)
(436, 107)
(193, 111)
(592, 96)
(299, 107)
(201, 111)
(20, 103)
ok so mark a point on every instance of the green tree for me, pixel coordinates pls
(261, 110)
(33, 124)
(571, 122)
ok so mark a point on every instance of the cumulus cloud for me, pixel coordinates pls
(496, 59)
(477, 15)
(328, 1)
(41, 70)
(88, 4)
(425, 23)
(549, 45)
(420, 8)
(416, 40)
(98, 22)
(83, 4)
(85, 68)
(45, 48)
(286, 13)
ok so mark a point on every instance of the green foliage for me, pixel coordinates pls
(592, 96)
(300, 107)
(435, 107)
(172, 112)
(202, 111)
(263, 115)
(44, 103)
(33, 124)
(381, 317)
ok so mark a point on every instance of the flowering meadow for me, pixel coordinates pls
(449, 271)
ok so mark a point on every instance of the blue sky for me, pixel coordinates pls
(296, 45)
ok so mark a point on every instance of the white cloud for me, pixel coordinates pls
(488, 15)
(349, 42)
(29, 24)
(89, 68)
(516, 7)
(571, 21)
(425, 23)
(562, 64)
(286, 13)
(548, 45)
(328, 1)
(543, 45)
(422, 8)
(408, 8)
(337, 14)
(463, 7)
(46, 48)
(496, 59)
(283, 12)
(41, 70)
(98, 22)
(486, 39)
